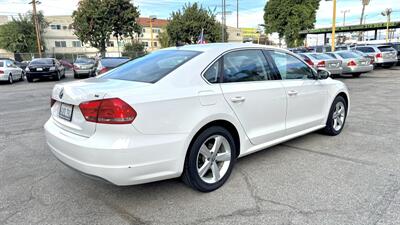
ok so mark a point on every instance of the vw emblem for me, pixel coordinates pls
(61, 94)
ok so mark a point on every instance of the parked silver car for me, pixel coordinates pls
(352, 63)
(84, 67)
(322, 60)
(385, 55)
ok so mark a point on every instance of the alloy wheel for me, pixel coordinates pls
(338, 116)
(213, 159)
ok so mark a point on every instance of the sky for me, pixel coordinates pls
(250, 11)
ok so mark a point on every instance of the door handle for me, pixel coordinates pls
(292, 93)
(238, 99)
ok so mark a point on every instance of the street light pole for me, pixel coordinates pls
(151, 31)
(333, 25)
(344, 16)
(37, 26)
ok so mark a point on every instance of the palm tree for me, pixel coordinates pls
(364, 3)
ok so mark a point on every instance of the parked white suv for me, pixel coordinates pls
(385, 55)
(190, 111)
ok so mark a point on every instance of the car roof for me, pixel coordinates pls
(220, 47)
(42, 58)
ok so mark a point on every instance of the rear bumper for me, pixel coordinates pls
(358, 69)
(3, 77)
(83, 72)
(121, 156)
(336, 71)
(382, 61)
(41, 74)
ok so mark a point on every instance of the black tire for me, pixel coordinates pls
(57, 76)
(10, 79)
(356, 75)
(30, 80)
(22, 76)
(329, 128)
(190, 174)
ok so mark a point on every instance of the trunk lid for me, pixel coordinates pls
(333, 63)
(71, 94)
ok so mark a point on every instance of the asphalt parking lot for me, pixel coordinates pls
(353, 178)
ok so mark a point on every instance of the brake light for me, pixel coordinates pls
(103, 70)
(321, 64)
(352, 63)
(108, 111)
(379, 55)
(309, 62)
(1, 72)
(52, 101)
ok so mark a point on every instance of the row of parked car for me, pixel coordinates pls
(45, 68)
(352, 60)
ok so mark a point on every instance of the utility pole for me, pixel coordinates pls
(387, 13)
(237, 14)
(152, 18)
(364, 3)
(223, 21)
(344, 16)
(37, 26)
(333, 25)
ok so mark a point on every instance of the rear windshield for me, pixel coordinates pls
(151, 68)
(84, 60)
(360, 53)
(113, 62)
(42, 62)
(1, 64)
(365, 49)
(331, 55)
(386, 49)
(320, 56)
(347, 55)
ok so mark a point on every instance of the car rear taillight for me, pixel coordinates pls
(379, 55)
(1, 72)
(108, 111)
(103, 70)
(52, 101)
(321, 64)
(352, 63)
(309, 62)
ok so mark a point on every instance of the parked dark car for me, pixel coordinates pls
(44, 68)
(84, 67)
(108, 63)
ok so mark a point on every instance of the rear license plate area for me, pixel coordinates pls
(66, 111)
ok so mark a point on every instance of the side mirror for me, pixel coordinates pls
(323, 74)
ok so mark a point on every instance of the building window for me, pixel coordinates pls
(144, 30)
(156, 30)
(65, 27)
(55, 27)
(110, 44)
(60, 44)
(146, 44)
(76, 44)
(155, 44)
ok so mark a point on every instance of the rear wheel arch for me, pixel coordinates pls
(220, 123)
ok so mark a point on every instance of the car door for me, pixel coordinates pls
(306, 96)
(258, 101)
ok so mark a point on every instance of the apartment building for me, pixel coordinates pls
(60, 39)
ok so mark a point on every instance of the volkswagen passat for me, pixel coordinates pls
(190, 112)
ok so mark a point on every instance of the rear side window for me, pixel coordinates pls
(291, 67)
(365, 49)
(212, 73)
(246, 65)
(1, 64)
(386, 49)
(151, 68)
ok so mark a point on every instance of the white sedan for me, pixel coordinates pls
(190, 112)
(10, 72)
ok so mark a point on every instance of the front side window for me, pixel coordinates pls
(152, 67)
(290, 67)
(246, 65)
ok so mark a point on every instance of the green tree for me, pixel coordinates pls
(19, 35)
(164, 39)
(133, 50)
(186, 25)
(289, 17)
(96, 20)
